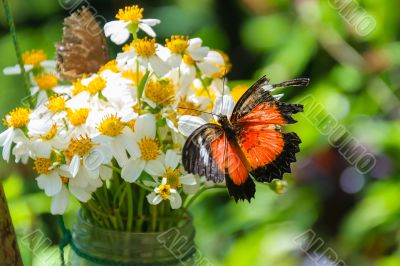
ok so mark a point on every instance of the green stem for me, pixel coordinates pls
(116, 169)
(195, 196)
(13, 33)
(139, 224)
(130, 208)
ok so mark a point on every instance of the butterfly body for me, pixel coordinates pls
(247, 145)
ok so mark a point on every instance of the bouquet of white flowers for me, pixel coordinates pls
(112, 139)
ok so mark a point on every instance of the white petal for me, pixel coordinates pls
(154, 199)
(119, 153)
(195, 43)
(132, 170)
(208, 69)
(117, 30)
(174, 60)
(145, 126)
(160, 67)
(215, 58)
(188, 74)
(51, 183)
(171, 159)
(149, 183)
(188, 179)
(105, 173)
(41, 148)
(34, 90)
(224, 105)
(12, 70)
(146, 28)
(150, 21)
(80, 193)
(74, 166)
(49, 64)
(59, 203)
(155, 168)
(187, 124)
(6, 139)
(93, 160)
(175, 200)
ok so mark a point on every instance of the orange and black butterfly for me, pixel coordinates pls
(248, 145)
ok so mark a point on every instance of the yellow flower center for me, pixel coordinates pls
(188, 59)
(96, 85)
(51, 134)
(46, 81)
(131, 124)
(133, 76)
(56, 103)
(79, 147)
(42, 165)
(17, 118)
(187, 107)
(160, 92)
(165, 191)
(77, 117)
(238, 91)
(130, 13)
(34, 57)
(177, 44)
(111, 126)
(110, 65)
(78, 87)
(144, 47)
(173, 177)
(149, 148)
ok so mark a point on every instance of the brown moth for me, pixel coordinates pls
(83, 49)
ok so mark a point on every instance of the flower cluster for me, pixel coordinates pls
(130, 118)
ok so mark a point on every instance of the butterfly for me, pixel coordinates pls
(83, 49)
(248, 145)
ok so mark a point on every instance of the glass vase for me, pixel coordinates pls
(93, 246)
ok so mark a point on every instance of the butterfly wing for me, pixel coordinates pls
(258, 118)
(208, 152)
(83, 49)
(260, 92)
(196, 153)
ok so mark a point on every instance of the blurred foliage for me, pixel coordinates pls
(355, 77)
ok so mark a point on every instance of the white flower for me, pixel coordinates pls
(16, 120)
(145, 149)
(146, 53)
(32, 59)
(87, 155)
(169, 170)
(113, 132)
(223, 106)
(129, 22)
(207, 66)
(165, 192)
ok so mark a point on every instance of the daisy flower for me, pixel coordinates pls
(145, 150)
(34, 59)
(91, 153)
(145, 52)
(164, 191)
(181, 47)
(130, 20)
(117, 135)
(169, 169)
(16, 121)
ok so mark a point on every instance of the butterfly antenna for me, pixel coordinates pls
(223, 88)
(187, 108)
(294, 82)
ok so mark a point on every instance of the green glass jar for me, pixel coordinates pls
(93, 246)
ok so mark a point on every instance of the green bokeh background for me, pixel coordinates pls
(355, 79)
